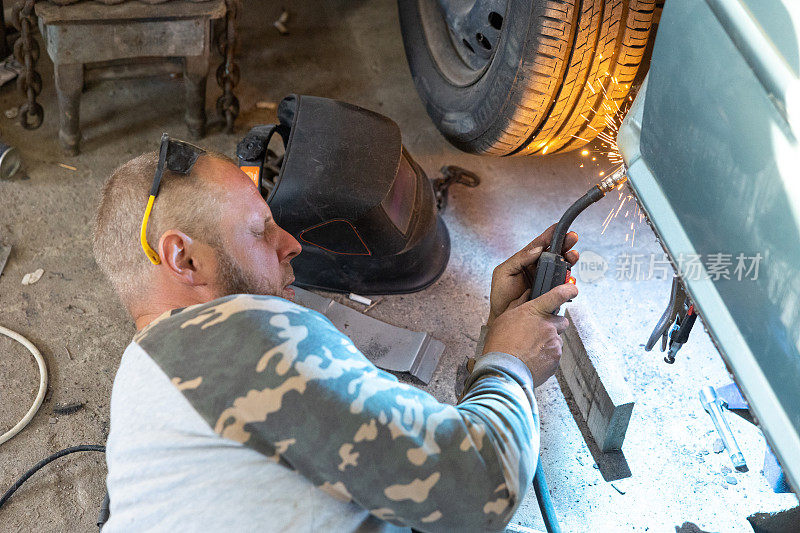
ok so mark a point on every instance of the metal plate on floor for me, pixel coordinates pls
(386, 346)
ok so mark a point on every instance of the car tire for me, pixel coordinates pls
(559, 71)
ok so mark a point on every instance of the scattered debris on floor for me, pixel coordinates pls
(264, 104)
(731, 479)
(68, 408)
(10, 161)
(32, 277)
(11, 112)
(371, 306)
(718, 446)
(280, 23)
(5, 251)
(360, 299)
(9, 69)
(68, 167)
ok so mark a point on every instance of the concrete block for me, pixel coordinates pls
(590, 367)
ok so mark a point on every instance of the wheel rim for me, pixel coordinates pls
(464, 44)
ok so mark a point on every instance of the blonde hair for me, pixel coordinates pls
(186, 203)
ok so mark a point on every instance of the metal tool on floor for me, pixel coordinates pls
(734, 401)
(552, 270)
(713, 405)
(681, 316)
(737, 404)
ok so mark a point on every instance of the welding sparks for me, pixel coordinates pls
(612, 112)
(608, 217)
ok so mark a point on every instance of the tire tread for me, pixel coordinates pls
(578, 61)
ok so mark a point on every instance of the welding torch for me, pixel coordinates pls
(553, 270)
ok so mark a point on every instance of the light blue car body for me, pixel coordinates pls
(712, 149)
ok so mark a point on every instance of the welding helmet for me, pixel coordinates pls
(350, 193)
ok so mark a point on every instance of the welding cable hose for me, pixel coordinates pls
(556, 246)
(35, 468)
(37, 402)
(592, 195)
(543, 499)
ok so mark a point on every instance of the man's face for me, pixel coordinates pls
(253, 252)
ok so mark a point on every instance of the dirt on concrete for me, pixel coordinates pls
(351, 50)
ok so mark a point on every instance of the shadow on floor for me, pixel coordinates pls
(612, 465)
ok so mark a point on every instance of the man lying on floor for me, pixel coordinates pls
(235, 409)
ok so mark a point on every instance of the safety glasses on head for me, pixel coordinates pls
(175, 156)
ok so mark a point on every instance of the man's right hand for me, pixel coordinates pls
(532, 333)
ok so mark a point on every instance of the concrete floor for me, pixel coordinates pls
(350, 50)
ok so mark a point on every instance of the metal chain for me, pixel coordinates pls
(29, 83)
(451, 175)
(228, 71)
(26, 51)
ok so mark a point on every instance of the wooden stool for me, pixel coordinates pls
(89, 41)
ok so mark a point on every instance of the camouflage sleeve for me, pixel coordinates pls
(283, 380)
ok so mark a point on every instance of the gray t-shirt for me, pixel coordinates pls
(168, 471)
(253, 413)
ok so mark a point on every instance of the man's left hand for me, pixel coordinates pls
(511, 280)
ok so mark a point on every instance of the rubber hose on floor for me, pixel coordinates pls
(37, 402)
(545, 503)
(46, 461)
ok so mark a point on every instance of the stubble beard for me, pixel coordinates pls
(233, 279)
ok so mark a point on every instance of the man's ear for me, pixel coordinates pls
(184, 257)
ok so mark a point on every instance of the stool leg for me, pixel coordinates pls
(69, 82)
(195, 71)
